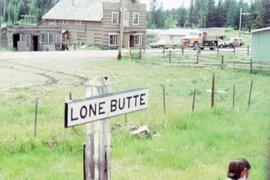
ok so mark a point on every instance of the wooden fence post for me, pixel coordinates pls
(213, 91)
(233, 96)
(248, 50)
(222, 60)
(194, 98)
(126, 119)
(140, 53)
(164, 50)
(98, 138)
(170, 56)
(183, 51)
(70, 98)
(36, 118)
(164, 98)
(197, 62)
(250, 92)
(234, 49)
(251, 66)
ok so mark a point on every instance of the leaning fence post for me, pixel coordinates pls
(36, 116)
(194, 98)
(250, 91)
(234, 49)
(248, 50)
(164, 98)
(170, 56)
(251, 66)
(233, 96)
(213, 91)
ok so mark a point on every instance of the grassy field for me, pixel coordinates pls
(195, 145)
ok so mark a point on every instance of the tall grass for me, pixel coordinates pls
(195, 145)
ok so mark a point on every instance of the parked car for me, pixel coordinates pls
(234, 42)
(221, 43)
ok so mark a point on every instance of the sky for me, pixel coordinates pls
(169, 4)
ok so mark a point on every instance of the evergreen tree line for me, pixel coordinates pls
(24, 11)
(211, 13)
(200, 13)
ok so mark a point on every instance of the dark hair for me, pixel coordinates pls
(235, 169)
(246, 163)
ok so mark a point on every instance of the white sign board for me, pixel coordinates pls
(97, 108)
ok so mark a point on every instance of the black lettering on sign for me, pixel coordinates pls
(113, 105)
(128, 101)
(101, 108)
(136, 98)
(72, 118)
(92, 110)
(83, 112)
(142, 102)
(121, 105)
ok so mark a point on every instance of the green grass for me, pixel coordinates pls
(195, 145)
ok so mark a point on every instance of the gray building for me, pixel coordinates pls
(97, 22)
(261, 44)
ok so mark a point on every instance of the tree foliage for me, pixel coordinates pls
(213, 13)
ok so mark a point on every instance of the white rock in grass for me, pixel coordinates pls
(143, 130)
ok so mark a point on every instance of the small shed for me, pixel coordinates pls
(261, 44)
(31, 38)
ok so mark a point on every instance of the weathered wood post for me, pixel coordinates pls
(164, 98)
(193, 102)
(234, 49)
(213, 91)
(170, 56)
(250, 92)
(248, 50)
(233, 96)
(98, 142)
(36, 118)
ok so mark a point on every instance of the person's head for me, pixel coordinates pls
(236, 169)
(247, 166)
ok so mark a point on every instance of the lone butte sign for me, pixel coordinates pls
(97, 108)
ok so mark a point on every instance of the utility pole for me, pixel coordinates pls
(122, 11)
(240, 21)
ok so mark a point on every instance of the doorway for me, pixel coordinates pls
(16, 38)
(35, 43)
(132, 41)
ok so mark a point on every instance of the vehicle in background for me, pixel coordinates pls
(169, 38)
(234, 42)
(209, 37)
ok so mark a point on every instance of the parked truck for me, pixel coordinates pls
(201, 38)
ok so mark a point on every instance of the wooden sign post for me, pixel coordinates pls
(94, 111)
